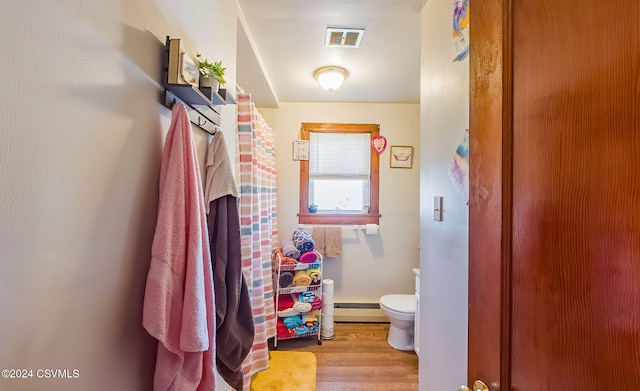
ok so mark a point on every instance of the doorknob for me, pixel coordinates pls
(478, 385)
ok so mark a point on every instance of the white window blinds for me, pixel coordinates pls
(339, 155)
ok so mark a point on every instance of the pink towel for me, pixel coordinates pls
(309, 257)
(179, 301)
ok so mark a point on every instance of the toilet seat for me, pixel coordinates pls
(399, 303)
(401, 312)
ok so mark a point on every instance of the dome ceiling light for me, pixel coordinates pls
(330, 77)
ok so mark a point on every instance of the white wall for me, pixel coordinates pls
(371, 265)
(81, 134)
(444, 245)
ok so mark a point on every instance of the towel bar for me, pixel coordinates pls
(344, 226)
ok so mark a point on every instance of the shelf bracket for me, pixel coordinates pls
(196, 117)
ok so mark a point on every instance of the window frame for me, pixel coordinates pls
(373, 216)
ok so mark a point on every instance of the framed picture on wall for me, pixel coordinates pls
(401, 156)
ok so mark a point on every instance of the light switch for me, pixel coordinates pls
(437, 208)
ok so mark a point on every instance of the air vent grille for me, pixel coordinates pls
(344, 37)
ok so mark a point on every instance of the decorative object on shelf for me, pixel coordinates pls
(330, 77)
(181, 69)
(189, 70)
(313, 208)
(211, 73)
(401, 156)
(379, 144)
(209, 82)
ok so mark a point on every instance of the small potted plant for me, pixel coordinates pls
(211, 73)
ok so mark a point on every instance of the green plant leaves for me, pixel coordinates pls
(214, 70)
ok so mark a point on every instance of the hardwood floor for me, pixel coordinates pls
(359, 359)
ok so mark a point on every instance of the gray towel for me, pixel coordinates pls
(234, 313)
(286, 278)
(288, 249)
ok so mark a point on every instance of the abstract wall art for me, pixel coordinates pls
(459, 167)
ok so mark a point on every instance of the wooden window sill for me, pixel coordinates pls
(338, 218)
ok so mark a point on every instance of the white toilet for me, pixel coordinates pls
(401, 312)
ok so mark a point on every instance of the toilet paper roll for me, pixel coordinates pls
(328, 331)
(327, 286)
(371, 229)
(327, 311)
(326, 320)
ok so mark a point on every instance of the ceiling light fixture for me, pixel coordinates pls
(331, 77)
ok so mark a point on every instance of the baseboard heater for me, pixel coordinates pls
(358, 312)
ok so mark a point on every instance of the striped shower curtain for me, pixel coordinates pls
(256, 161)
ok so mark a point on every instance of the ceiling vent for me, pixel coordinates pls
(343, 37)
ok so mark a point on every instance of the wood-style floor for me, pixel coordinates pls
(359, 359)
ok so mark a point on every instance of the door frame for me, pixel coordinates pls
(491, 190)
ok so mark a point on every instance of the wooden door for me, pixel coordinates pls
(554, 246)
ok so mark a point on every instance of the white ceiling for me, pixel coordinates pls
(282, 42)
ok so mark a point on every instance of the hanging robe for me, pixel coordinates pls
(179, 298)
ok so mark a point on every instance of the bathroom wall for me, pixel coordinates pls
(80, 143)
(444, 244)
(371, 265)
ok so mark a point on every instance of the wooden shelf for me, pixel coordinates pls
(213, 96)
(202, 103)
(202, 96)
(226, 95)
(188, 94)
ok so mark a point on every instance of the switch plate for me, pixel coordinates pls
(437, 208)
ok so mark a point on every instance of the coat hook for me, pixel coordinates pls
(203, 123)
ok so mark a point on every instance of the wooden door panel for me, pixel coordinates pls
(576, 263)
(554, 154)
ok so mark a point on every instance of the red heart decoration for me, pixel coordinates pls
(379, 143)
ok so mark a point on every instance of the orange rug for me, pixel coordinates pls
(288, 371)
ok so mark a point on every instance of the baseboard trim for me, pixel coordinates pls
(363, 312)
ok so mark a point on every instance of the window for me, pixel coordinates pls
(339, 165)
(341, 175)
